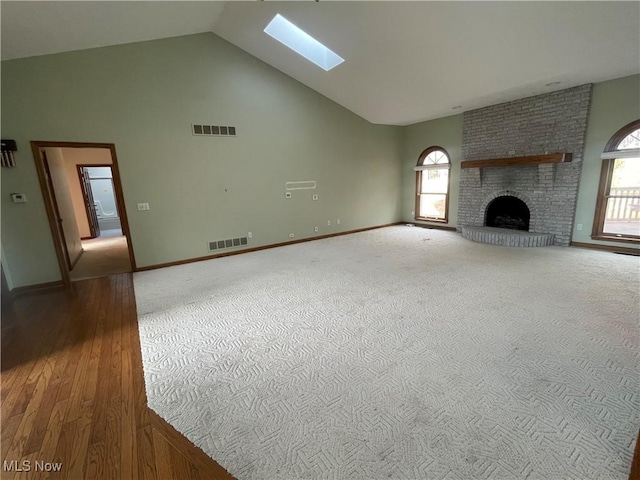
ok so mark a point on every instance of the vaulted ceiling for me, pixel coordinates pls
(404, 61)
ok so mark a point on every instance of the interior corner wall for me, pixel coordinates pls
(6, 269)
(144, 97)
(614, 104)
(443, 132)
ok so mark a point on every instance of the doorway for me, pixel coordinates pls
(83, 197)
(98, 197)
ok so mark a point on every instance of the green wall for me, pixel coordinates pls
(614, 104)
(143, 97)
(446, 133)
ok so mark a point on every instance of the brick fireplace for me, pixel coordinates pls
(535, 126)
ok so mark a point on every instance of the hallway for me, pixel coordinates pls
(102, 256)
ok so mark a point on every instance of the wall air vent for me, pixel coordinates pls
(213, 130)
(229, 243)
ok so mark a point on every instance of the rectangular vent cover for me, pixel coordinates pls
(213, 130)
(231, 242)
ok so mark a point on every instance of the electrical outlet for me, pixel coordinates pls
(291, 235)
(18, 198)
(338, 221)
(413, 214)
(579, 226)
(329, 222)
(315, 229)
(250, 235)
(143, 206)
(315, 196)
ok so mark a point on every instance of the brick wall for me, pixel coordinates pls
(550, 123)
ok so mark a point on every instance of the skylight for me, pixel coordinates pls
(302, 43)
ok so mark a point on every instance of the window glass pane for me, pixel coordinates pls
(435, 181)
(433, 206)
(626, 175)
(630, 141)
(622, 215)
(435, 157)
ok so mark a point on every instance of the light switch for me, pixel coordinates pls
(143, 206)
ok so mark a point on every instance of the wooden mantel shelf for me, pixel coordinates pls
(518, 161)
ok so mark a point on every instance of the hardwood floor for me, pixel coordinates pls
(73, 391)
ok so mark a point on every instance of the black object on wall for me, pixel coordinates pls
(7, 148)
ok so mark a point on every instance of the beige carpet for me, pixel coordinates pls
(102, 257)
(399, 353)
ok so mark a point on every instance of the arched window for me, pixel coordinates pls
(618, 205)
(432, 185)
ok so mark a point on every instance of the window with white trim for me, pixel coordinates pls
(432, 185)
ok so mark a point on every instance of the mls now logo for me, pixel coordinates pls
(27, 466)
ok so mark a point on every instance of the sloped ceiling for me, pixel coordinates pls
(31, 28)
(404, 61)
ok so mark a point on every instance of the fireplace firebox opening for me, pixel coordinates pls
(508, 211)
